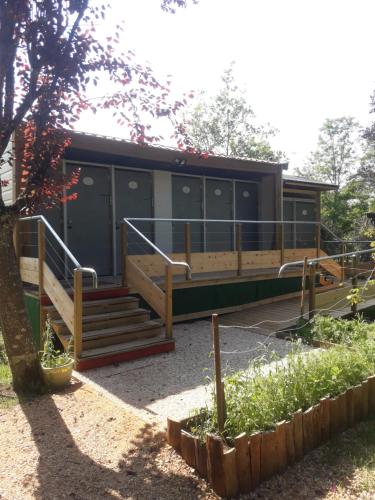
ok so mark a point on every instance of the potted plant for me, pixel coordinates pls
(56, 366)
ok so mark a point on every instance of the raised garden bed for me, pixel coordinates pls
(256, 458)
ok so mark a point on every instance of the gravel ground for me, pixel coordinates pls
(79, 445)
(173, 384)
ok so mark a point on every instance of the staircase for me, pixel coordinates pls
(114, 328)
(330, 266)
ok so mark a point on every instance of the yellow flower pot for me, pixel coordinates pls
(59, 376)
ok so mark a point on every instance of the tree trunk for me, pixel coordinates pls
(16, 329)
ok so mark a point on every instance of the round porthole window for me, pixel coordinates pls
(186, 189)
(133, 184)
(217, 192)
(245, 194)
(88, 181)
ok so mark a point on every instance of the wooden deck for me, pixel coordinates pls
(268, 319)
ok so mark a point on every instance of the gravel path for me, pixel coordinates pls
(173, 384)
(79, 445)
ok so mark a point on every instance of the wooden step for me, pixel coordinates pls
(331, 266)
(100, 306)
(123, 347)
(116, 334)
(105, 320)
(102, 356)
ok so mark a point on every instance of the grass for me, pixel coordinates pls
(7, 396)
(258, 398)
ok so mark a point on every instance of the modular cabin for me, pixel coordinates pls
(171, 236)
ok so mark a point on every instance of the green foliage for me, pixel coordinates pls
(50, 357)
(336, 160)
(5, 375)
(341, 331)
(226, 124)
(261, 396)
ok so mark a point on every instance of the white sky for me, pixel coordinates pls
(301, 61)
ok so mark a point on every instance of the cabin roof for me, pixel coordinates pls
(293, 180)
(118, 146)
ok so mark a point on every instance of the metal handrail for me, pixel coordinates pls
(229, 221)
(313, 261)
(333, 234)
(88, 270)
(156, 248)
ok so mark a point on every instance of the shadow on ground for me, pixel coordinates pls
(64, 471)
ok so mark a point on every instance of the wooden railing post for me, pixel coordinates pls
(317, 239)
(77, 316)
(239, 248)
(354, 280)
(282, 244)
(168, 301)
(187, 230)
(342, 262)
(312, 274)
(41, 260)
(303, 289)
(123, 246)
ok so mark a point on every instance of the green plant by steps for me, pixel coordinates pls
(261, 396)
(51, 357)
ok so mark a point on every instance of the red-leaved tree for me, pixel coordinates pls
(50, 57)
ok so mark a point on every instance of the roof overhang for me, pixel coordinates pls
(295, 182)
(114, 146)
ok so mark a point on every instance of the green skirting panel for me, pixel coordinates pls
(205, 298)
(32, 308)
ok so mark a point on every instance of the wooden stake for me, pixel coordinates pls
(303, 286)
(255, 442)
(188, 448)
(187, 249)
(77, 315)
(174, 433)
(124, 246)
(230, 472)
(243, 462)
(216, 473)
(298, 434)
(220, 395)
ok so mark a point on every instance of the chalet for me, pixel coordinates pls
(170, 236)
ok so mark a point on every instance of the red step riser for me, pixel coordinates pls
(88, 364)
(95, 295)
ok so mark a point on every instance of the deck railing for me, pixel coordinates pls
(161, 301)
(46, 262)
(310, 268)
(221, 245)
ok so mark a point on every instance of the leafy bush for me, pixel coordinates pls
(258, 398)
(338, 331)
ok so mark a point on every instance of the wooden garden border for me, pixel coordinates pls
(256, 458)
